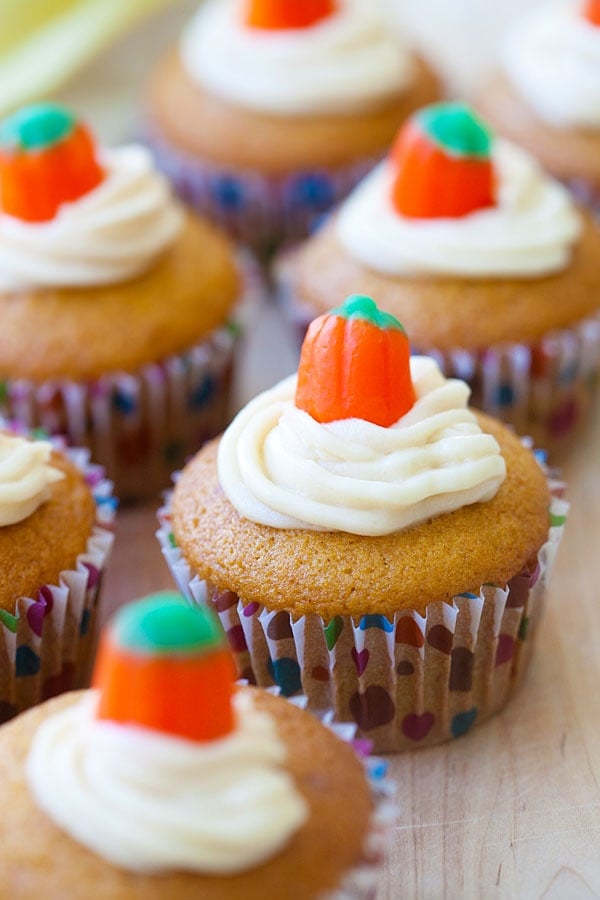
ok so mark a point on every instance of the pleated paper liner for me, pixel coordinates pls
(409, 681)
(48, 644)
(262, 211)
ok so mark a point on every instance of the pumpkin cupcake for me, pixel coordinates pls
(168, 780)
(268, 112)
(54, 509)
(546, 95)
(369, 540)
(485, 259)
(115, 302)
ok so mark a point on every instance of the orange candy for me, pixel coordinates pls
(355, 364)
(591, 11)
(46, 159)
(166, 666)
(276, 15)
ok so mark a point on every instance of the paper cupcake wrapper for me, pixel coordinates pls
(412, 680)
(544, 390)
(261, 210)
(586, 194)
(137, 426)
(47, 645)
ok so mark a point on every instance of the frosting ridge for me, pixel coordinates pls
(281, 468)
(25, 477)
(553, 59)
(528, 233)
(147, 802)
(348, 61)
(109, 235)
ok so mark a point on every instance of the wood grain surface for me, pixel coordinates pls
(513, 809)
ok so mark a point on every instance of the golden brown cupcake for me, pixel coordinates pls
(546, 95)
(267, 114)
(53, 550)
(115, 302)
(387, 556)
(268, 780)
(485, 259)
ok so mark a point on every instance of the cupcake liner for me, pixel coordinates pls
(261, 210)
(586, 194)
(137, 426)
(543, 390)
(49, 641)
(409, 681)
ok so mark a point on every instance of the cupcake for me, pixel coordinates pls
(168, 780)
(268, 112)
(484, 258)
(115, 302)
(546, 94)
(369, 540)
(54, 543)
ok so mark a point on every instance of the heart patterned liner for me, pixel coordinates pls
(409, 681)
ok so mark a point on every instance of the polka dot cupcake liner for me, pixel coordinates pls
(544, 390)
(137, 426)
(49, 641)
(408, 681)
(260, 210)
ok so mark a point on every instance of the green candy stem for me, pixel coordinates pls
(165, 623)
(36, 127)
(359, 306)
(456, 128)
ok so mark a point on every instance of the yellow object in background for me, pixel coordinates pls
(43, 42)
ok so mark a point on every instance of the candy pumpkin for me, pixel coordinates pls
(591, 11)
(274, 15)
(47, 158)
(443, 165)
(355, 364)
(166, 666)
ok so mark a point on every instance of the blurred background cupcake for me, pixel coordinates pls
(368, 540)
(116, 303)
(484, 257)
(268, 112)
(54, 544)
(168, 780)
(546, 94)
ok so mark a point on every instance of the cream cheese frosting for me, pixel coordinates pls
(26, 477)
(148, 802)
(530, 232)
(553, 59)
(347, 62)
(280, 467)
(111, 234)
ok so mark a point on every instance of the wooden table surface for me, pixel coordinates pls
(512, 809)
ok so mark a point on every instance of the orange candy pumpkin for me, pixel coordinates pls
(46, 159)
(276, 15)
(591, 11)
(355, 363)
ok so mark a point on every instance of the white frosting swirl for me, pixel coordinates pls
(107, 236)
(528, 233)
(346, 62)
(280, 467)
(553, 59)
(25, 477)
(148, 802)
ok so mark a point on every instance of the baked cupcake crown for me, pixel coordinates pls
(277, 15)
(166, 666)
(443, 164)
(355, 364)
(47, 158)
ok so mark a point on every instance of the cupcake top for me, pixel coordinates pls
(73, 214)
(26, 476)
(282, 58)
(453, 199)
(152, 782)
(364, 440)
(552, 57)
